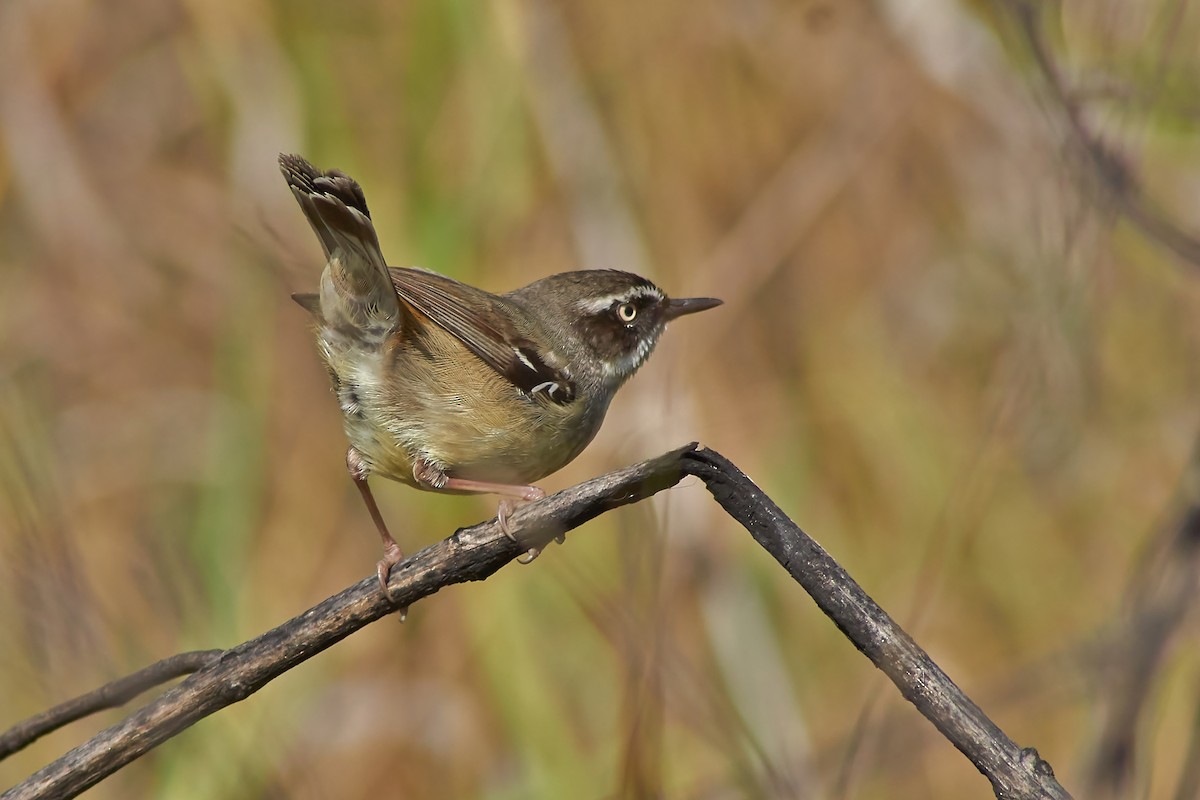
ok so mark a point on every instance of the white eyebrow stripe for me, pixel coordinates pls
(600, 303)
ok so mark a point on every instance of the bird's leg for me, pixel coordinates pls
(392, 554)
(511, 494)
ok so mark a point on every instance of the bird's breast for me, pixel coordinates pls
(432, 399)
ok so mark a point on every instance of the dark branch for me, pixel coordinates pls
(477, 552)
(1013, 771)
(471, 554)
(110, 695)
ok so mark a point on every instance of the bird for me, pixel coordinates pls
(446, 387)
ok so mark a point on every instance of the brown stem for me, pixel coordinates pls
(477, 552)
(110, 695)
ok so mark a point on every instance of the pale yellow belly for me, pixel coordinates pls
(467, 420)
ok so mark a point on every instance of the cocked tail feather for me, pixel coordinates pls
(356, 289)
(361, 301)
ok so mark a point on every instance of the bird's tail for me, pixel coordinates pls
(356, 290)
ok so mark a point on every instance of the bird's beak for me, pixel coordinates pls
(689, 305)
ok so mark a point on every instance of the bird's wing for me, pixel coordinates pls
(483, 323)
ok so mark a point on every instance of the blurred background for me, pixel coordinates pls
(959, 347)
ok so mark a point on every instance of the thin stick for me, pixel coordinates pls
(1013, 771)
(110, 695)
(477, 552)
(471, 554)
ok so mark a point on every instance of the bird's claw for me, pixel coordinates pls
(502, 513)
(392, 555)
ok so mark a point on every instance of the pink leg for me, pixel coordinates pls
(392, 554)
(516, 492)
(512, 494)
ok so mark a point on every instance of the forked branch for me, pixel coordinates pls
(475, 553)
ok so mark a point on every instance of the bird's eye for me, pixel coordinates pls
(626, 312)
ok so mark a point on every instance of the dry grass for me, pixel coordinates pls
(942, 353)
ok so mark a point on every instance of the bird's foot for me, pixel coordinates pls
(506, 507)
(392, 555)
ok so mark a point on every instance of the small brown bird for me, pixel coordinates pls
(449, 388)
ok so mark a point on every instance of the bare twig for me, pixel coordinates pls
(110, 695)
(477, 552)
(1013, 771)
(470, 554)
(1106, 167)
